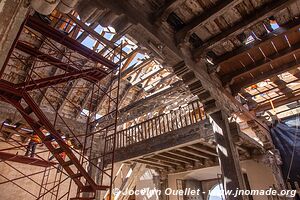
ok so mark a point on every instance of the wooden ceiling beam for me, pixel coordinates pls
(205, 17)
(170, 6)
(248, 21)
(248, 97)
(161, 81)
(284, 29)
(195, 152)
(186, 155)
(149, 76)
(135, 68)
(258, 64)
(85, 34)
(204, 149)
(236, 87)
(129, 59)
(281, 84)
(156, 165)
(175, 158)
(156, 161)
(278, 102)
(169, 160)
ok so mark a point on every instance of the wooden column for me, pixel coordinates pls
(225, 134)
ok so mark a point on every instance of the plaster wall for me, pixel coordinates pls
(260, 177)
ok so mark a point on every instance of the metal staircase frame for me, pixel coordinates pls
(19, 96)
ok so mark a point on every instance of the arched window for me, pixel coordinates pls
(216, 193)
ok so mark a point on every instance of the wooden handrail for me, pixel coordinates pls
(161, 124)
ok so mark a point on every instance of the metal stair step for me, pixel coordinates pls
(58, 151)
(67, 163)
(73, 176)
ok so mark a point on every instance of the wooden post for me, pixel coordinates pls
(228, 155)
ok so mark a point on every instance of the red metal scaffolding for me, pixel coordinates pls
(89, 164)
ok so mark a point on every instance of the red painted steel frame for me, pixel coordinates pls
(17, 96)
(63, 39)
(24, 159)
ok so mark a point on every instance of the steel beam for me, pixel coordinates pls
(62, 78)
(25, 160)
(67, 41)
(56, 62)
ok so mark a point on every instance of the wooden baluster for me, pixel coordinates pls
(144, 130)
(155, 124)
(194, 111)
(133, 135)
(148, 130)
(140, 132)
(180, 117)
(185, 119)
(159, 125)
(163, 121)
(190, 115)
(153, 128)
(136, 133)
(124, 132)
(176, 119)
(117, 141)
(200, 111)
(122, 139)
(126, 137)
(170, 121)
(129, 137)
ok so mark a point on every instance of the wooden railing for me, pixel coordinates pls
(164, 123)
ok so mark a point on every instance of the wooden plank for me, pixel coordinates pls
(260, 14)
(258, 64)
(168, 160)
(90, 30)
(161, 162)
(284, 29)
(236, 87)
(173, 156)
(204, 149)
(186, 155)
(209, 14)
(171, 5)
(195, 152)
(278, 102)
(154, 164)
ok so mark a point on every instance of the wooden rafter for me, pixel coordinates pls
(208, 15)
(261, 63)
(235, 88)
(129, 59)
(248, 21)
(163, 13)
(289, 27)
(278, 102)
